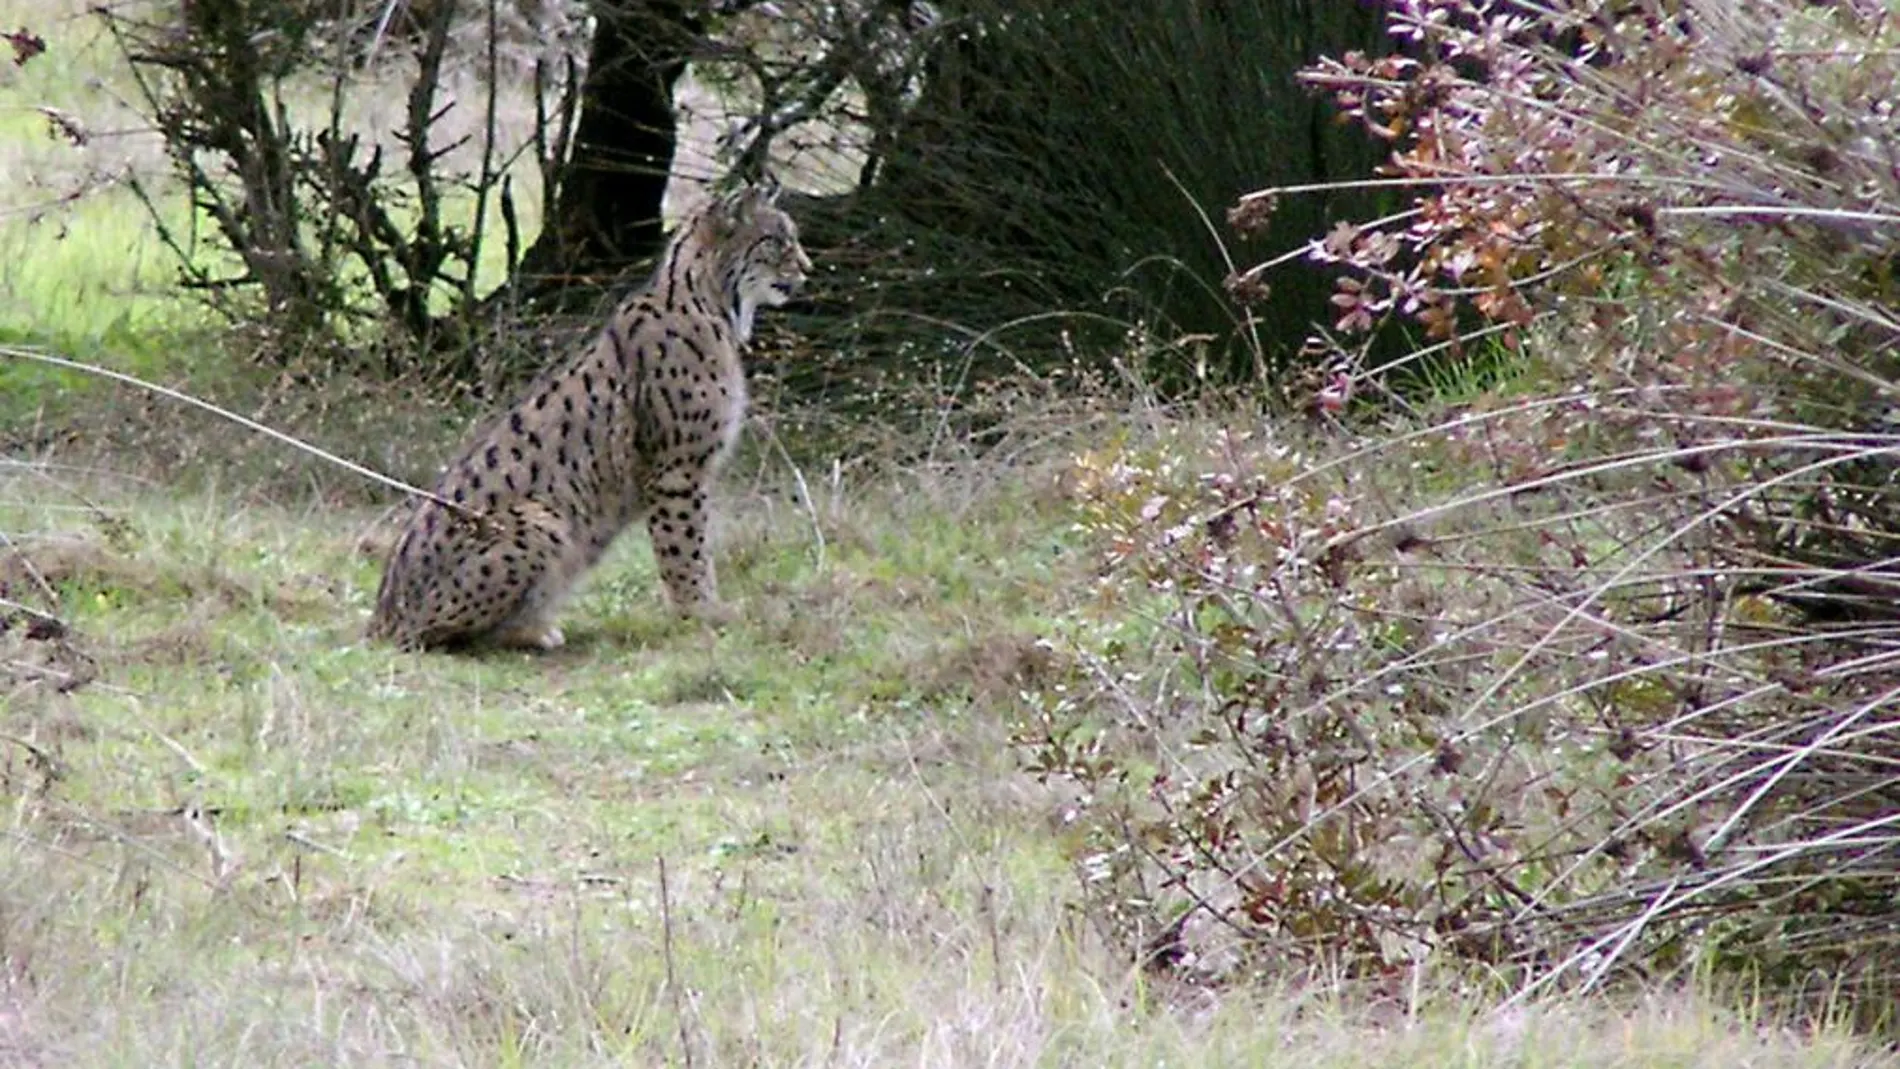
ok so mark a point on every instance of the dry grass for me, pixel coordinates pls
(800, 841)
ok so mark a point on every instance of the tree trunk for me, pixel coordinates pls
(606, 213)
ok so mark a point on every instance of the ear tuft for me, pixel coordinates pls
(741, 204)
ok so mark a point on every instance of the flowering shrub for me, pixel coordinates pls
(1724, 181)
(1594, 673)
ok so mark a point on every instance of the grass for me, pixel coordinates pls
(82, 269)
(253, 777)
(254, 839)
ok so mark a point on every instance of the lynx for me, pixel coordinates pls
(635, 427)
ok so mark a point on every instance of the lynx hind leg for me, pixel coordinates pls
(676, 522)
(531, 628)
(526, 575)
(497, 580)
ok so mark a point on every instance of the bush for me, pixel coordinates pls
(1593, 676)
(332, 216)
(1034, 179)
(1058, 177)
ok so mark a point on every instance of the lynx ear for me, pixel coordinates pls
(741, 204)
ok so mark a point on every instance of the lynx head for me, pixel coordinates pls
(761, 263)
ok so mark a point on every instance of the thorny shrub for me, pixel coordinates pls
(1276, 716)
(1595, 675)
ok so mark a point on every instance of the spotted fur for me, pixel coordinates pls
(634, 428)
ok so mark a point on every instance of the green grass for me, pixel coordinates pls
(90, 279)
(268, 843)
(83, 269)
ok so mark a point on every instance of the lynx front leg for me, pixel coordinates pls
(677, 524)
